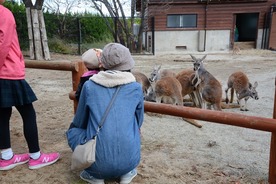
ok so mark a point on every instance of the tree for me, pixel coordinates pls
(122, 28)
(60, 8)
(38, 41)
(142, 24)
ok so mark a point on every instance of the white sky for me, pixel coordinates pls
(84, 7)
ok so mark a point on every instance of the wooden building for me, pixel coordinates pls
(209, 25)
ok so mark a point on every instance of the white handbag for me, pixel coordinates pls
(84, 155)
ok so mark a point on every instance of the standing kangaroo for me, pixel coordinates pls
(238, 81)
(209, 86)
(185, 77)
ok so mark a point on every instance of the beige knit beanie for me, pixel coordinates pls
(91, 58)
(115, 56)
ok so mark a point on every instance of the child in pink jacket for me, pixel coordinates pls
(16, 92)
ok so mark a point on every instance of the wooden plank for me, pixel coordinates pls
(44, 40)
(30, 32)
(36, 35)
(245, 45)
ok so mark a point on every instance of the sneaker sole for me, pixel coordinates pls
(127, 181)
(43, 165)
(12, 166)
(89, 181)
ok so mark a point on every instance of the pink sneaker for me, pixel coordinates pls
(14, 161)
(43, 160)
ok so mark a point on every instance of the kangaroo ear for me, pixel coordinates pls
(204, 57)
(255, 84)
(155, 67)
(193, 57)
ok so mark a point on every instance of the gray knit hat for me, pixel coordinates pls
(115, 56)
(90, 58)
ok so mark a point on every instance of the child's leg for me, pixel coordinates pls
(28, 115)
(5, 114)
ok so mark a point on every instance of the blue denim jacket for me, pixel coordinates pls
(118, 141)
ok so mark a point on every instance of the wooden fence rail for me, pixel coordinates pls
(227, 118)
(53, 65)
(76, 67)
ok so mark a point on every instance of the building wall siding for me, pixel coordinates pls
(272, 40)
(218, 16)
(188, 41)
(216, 19)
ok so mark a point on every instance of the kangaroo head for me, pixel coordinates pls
(155, 73)
(253, 92)
(150, 96)
(198, 63)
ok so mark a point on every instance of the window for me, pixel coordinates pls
(183, 21)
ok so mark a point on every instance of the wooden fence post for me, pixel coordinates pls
(272, 160)
(76, 75)
(76, 67)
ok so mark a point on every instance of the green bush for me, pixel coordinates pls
(57, 45)
(94, 29)
(66, 33)
(100, 45)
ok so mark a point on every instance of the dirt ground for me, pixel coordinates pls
(173, 151)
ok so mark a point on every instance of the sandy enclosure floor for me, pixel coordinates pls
(173, 151)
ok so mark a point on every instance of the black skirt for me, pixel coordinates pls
(15, 93)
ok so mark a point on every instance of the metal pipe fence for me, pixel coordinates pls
(252, 122)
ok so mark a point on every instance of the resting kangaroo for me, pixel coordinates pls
(168, 90)
(209, 86)
(165, 88)
(155, 76)
(143, 80)
(238, 81)
(157, 73)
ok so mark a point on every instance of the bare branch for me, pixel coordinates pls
(60, 6)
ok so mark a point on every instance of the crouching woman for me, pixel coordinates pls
(118, 141)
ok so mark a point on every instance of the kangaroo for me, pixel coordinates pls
(168, 90)
(185, 78)
(209, 87)
(157, 73)
(236, 50)
(239, 82)
(143, 80)
(165, 88)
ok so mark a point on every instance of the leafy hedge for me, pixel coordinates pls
(71, 29)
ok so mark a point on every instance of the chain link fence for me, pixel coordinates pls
(68, 34)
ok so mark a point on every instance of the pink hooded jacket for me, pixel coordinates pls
(12, 64)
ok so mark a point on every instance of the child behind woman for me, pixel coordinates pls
(92, 63)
